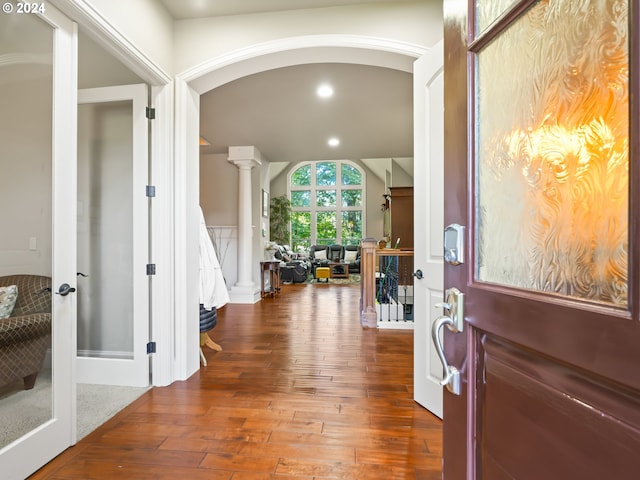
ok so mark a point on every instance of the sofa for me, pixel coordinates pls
(25, 335)
(292, 270)
(324, 255)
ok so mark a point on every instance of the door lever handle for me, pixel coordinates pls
(451, 374)
(65, 289)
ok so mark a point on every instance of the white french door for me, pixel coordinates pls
(428, 223)
(40, 49)
(113, 239)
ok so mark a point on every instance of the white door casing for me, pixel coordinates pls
(105, 368)
(27, 454)
(428, 107)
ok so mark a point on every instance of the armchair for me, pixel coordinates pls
(335, 253)
(352, 257)
(25, 336)
(318, 257)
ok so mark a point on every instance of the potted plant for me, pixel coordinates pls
(279, 218)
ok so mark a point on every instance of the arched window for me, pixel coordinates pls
(327, 202)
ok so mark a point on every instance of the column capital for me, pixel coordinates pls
(248, 156)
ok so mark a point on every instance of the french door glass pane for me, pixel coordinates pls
(26, 155)
(553, 152)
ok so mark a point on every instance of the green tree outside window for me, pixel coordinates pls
(326, 198)
(301, 198)
(302, 176)
(326, 173)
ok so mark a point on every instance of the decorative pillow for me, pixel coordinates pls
(350, 256)
(8, 297)
(320, 255)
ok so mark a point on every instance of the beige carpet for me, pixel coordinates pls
(23, 410)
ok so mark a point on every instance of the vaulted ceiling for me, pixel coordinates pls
(278, 111)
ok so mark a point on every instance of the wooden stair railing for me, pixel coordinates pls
(368, 262)
(368, 314)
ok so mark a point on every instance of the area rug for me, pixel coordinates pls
(23, 410)
(352, 280)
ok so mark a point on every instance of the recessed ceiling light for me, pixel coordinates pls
(334, 142)
(325, 91)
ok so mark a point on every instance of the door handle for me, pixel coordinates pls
(418, 274)
(451, 374)
(65, 289)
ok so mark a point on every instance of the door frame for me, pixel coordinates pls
(217, 71)
(162, 176)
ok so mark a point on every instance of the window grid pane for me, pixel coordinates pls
(302, 176)
(326, 173)
(327, 211)
(300, 229)
(350, 175)
(326, 227)
(301, 198)
(352, 198)
(326, 198)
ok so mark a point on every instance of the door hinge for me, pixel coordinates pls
(151, 113)
(151, 190)
(151, 268)
(151, 347)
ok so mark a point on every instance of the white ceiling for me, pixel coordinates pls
(278, 111)
(183, 9)
(371, 112)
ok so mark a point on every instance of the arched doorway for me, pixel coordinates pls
(209, 75)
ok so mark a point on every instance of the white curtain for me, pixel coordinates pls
(213, 291)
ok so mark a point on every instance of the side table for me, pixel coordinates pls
(272, 269)
(339, 269)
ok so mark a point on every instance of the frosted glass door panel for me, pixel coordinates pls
(488, 11)
(105, 230)
(552, 152)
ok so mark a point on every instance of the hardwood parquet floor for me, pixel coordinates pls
(299, 391)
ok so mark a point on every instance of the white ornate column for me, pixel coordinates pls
(245, 158)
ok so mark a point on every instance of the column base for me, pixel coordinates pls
(369, 319)
(244, 294)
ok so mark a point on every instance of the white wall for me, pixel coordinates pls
(146, 24)
(219, 202)
(98, 68)
(199, 40)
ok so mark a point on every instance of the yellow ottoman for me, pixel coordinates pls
(323, 272)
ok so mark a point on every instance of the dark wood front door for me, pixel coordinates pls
(540, 100)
